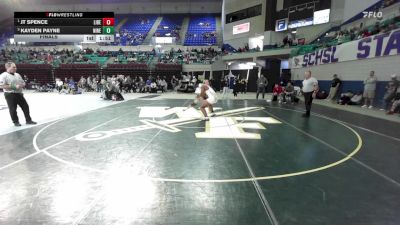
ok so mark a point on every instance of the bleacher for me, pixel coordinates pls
(135, 30)
(134, 57)
(170, 26)
(4, 38)
(131, 69)
(117, 19)
(39, 72)
(168, 67)
(132, 66)
(76, 71)
(198, 26)
(6, 30)
(94, 58)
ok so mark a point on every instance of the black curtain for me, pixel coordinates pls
(270, 11)
(207, 75)
(216, 81)
(286, 74)
(272, 72)
(252, 81)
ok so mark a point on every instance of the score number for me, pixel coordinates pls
(108, 21)
(108, 26)
(108, 30)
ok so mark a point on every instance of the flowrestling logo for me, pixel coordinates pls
(372, 14)
(226, 124)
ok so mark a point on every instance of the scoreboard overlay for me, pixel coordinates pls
(89, 27)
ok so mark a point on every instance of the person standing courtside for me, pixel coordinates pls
(369, 90)
(12, 85)
(335, 84)
(262, 84)
(310, 89)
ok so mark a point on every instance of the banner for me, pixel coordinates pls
(370, 47)
(300, 23)
(241, 28)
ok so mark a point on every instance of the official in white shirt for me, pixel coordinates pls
(310, 89)
(12, 85)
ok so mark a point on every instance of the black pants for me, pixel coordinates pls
(13, 100)
(285, 96)
(109, 94)
(260, 89)
(308, 101)
(243, 88)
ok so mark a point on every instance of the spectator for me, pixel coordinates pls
(236, 87)
(352, 34)
(243, 85)
(153, 87)
(230, 79)
(262, 83)
(321, 94)
(335, 84)
(391, 88)
(376, 29)
(71, 86)
(356, 99)
(164, 85)
(148, 84)
(225, 88)
(288, 92)
(288, 39)
(340, 37)
(142, 85)
(59, 85)
(346, 97)
(396, 102)
(194, 80)
(277, 93)
(369, 90)
(174, 82)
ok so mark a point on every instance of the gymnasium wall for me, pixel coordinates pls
(387, 13)
(352, 62)
(257, 24)
(352, 73)
(351, 7)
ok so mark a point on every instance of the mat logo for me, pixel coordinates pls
(232, 127)
(3, 107)
(226, 124)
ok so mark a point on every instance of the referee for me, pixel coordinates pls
(310, 89)
(12, 84)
